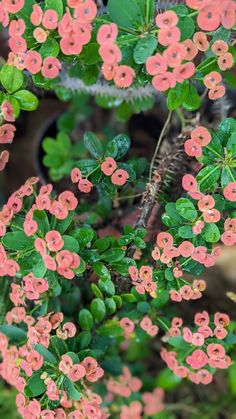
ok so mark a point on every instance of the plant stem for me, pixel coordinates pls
(159, 143)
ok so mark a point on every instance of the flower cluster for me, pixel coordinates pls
(7, 130)
(118, 176)
(211, 16)
(84, 185)
(142, 279)
(198, 365)
(122, 75)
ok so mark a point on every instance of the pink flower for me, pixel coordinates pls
(58, 210)
(119, 177)
(221, 320)
(191, 49)
(107, 33)
(219, 47)
(76, 175)
(85, 11)
(200, 40)
(208, 18)
(33, 62)
(6, 133)
(54, 241)
(37, 15)
(109, 70)
(7, 111)
(192, 148)
(168, 19)
(124, 76)
(65, 364)
(169, 36)
(64, 258)
(163, 82)
(110, 53)
(201, 319)
(217, 92)
(108, 166)
(175, 296)
(174, 54)
(127, 324)
(50, 19)
(184, 71)
(225, 61)
(212, 79)
(204, 377)
(76, 372)
(189, 183)
(197, 360)
(201, 136)
(230, 192)
(186, 248)
(70, 329)
(30, 227)
(156, 65)
(68, 200)
(71, 45)
(85, 185)
(198, 339)
(4, 158)
(51, 67)
(40, 35)
(13, 6)
(164, 239)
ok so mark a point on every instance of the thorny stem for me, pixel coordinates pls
(163, 132)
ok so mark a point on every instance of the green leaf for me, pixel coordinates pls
(177, 95)
(35, 386)
(111, 329)
(123, 266)
(84, 235)
(85, 319)
(226, 128)
(186, 209)
(71, 244)
(56, 5)
(11, 78)
(47, 355)
(72, 392)
(192, 100)
(211, 233)
(17, 240)
(84, 339)
(144, 49)
(186, 26)
(90, 54)
(96, 291)
(101, 270)
(186, 232)
(62, 225)
(98, 309)
(231, 145)
(110, 306)
(167, 379)
(107, 287)
(27, 100)
(113, 255)
(126, 14)
(42, 220)
(118, 147)
(208, 177)
(87, 166)
(93, 145)
(50, 48)
(13, 332)
(231, 376)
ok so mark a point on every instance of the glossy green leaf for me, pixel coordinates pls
(144, 48)
(93, 145)
(186, 209)
(98, 309)
(11, 78)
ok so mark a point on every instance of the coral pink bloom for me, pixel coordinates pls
(169, 36)
(4, 17)
(175, 296)
(212, 79)
(119, 177)
(43, 202)
(107, 33)
(51, 67)
(133, 272)
(109, 71)
(207, 202)
(225, 61)
(16, 28)
(184, 71)
(197, 360)
(208, 18)
(186, 292)
(68, 200)
(40, 35)
(86, 11)
(146, 323)
(7, 111)
(174, 54)
(168, 19)
(200, 40)
(204, 376)
(37, 15)
(70, 329)
(110, 53)
(50, 19)
(215, 351)
(13, 6)
(153, 330)
(65, 364)
(156, 65)
(30, 227)
(220, 333)
(221, 320)
(127, 324)
(76, 175)
(40, 246)
(186, 248)
(216, 92)
(33, 62)
(54, 241)
(230, 192)
(211, 216)
(76, 372)
(70, 45)
(227, 14)
(17, 44)
(191, 49)
(58, 210)
(85, 185)
(124, 76)
(164, 239)
(201, 319)
(163, 82)
(219, 47)
(192, 149)
(156, 253)
(64, 258)
(189, 183)
(198, 339)
(201, 136)
(108, 166)
(181, 371)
